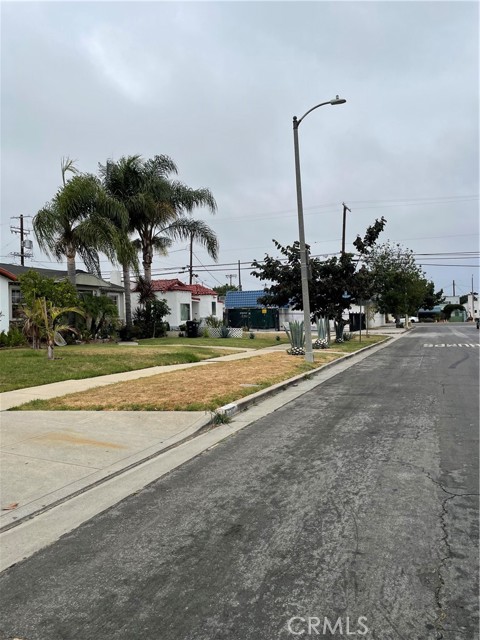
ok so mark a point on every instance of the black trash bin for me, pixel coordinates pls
(192, 328)
(357, 320)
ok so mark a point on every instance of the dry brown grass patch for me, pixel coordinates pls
(204, 387)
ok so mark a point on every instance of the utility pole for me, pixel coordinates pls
(344, 226)
(473, 300)
(453, 288)
(239, 277)
(191, 260)
(230, 276)
(24, 244)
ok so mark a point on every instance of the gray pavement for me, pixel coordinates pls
(356, 500)
(50, 457)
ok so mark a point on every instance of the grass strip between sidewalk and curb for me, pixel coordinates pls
(204, 388)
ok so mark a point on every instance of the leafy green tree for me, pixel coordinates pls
(334, 284)
(399, 285)
(158, 207)
(432, 298)
(223, 288)
(60, 293)
(81, 219)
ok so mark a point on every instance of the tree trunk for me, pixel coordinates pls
(72, 276)
(50, 354)
(339, 324)
(128, 295)
(147, 263)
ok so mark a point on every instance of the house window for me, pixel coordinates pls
(184, 312)
(114, 298)
(16, 299)
(214, 308)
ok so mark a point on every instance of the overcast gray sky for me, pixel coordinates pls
(215, 85)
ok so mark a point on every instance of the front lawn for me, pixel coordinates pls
(261, 341)
(202, 388)
(22, 368)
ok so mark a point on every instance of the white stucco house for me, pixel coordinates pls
(10, 295)
(186, 301)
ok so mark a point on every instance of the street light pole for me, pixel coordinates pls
(301, 232)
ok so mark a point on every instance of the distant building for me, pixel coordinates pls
(186, 301)
(242, 308)
(472, 306)
(11, 297)
(451, 300)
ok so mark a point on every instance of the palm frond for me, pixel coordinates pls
(188, 228)
(68, 165)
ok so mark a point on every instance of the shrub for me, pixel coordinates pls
(13, 338)
(150, 319)
(252, 336)
(128, 333)
(213, 321)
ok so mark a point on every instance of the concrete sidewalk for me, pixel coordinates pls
(48, 457)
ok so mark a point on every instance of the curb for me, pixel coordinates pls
(236, 407)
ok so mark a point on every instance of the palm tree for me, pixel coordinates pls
(80, 219)
(157, 208)
(43, 320)
(162, 215)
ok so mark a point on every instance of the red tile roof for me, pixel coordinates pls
(168, 285)
(200, 290)
(177, 285)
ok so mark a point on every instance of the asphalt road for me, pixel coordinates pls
(353, 508)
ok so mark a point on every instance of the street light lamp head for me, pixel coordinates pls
(337, 100)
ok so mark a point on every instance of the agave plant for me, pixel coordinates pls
(296, 335)
(323, 331)
(224, 331)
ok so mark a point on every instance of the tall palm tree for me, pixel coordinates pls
(156, 208)
(123, 181)
(163, 215)
(80, 219)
